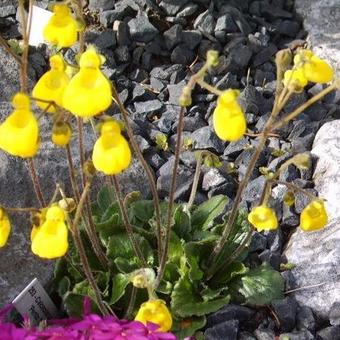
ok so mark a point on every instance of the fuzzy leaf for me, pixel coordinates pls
(105, 198)
(73, 304)
(186, 301)
(233, 270)
(262, 285)
(64, 286)
(204, 214)
(182, 226)
(143, 210)
(119, 283)
(187, 327)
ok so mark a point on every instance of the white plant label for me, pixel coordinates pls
(35, 303)
(40, 17)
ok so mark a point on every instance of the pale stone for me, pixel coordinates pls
(317, 254)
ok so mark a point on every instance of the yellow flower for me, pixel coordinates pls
(19, 133)
(5, 227)
(89, 91)
(155, 311)
(315, 69)
(50, 241)
(52, 84)
(228, 118)
(62, 28)
(111, 152)
(314, 216)
(295, 80)
(263, 218)
(61, 133)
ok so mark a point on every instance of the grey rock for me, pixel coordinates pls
(272, 257)
(106, 39)
(264, 334)
(205, 22)
(182, 55)
(258, 242)
(193, 123)
(230, 312)
(253, 190)
(329, 333)
(175, 91)
(7, 10)
(172, 7)
(173, 36)
(288, 27)
(238, 58)
(188, 10)
(122, 54)
(212, 178)
(150, 106)
(334, 314)
(316, 254)
(205, 138)
(305, 319)
(153, 158)
(102, 5)
(191, 38)
(225, 330)
(160, 73)
(226, 24)
(286, 310)
(141, 29)
(297, 335)
(234, 149)
(323, 33)
(264, 55)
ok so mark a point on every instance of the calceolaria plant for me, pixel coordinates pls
(165, 262)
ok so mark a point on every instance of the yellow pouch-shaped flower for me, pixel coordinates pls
(62, 28)
(155, 311)
(315, 69)
(52, 84)
(111, 153)
(61, 134)
(89, 91)
(314, 216)
(5, 227)
(263, 218)
(50, 240)
(295, 80)
(19, 133)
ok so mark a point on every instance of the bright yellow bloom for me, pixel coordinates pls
(314, 216)
(263, 218)
(111, 152)
(315, 69)
(228, 118)
(295, 80)
(155, 311)
(52, 84)
(89, 91)
(50, 240)
(61, 133)
(62, 28)
(5, 227)
(19, 133)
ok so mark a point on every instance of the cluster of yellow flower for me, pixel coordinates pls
(86, 94)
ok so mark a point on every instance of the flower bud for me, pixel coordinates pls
(185, 98)
(67, 204)
(284, 58)
(212, 58)
(89, 169)
(61, 133)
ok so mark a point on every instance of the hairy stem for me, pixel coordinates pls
(7, 48)
(166, 242)
(127, 223)
(81, 250)
(196, 180)
(294, 187)
(36, 183)
(72, 174)
(146, 168)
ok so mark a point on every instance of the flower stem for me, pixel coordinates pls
(146, 167)
(7, 48)
(294, 187)
(131, 304)
(81, 249)
(36, 183)
(196, 179)
(166, 242)
(127, 223)
(72, 174)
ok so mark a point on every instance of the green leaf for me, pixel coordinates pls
(105, 198)
(186, 301)
(73, 304)
(225, 275)
(182, 226)
(187, 327)
(195, 253)
(204, 214)
(143, 210)
(119, 283)
(63, 286)
(260, 286)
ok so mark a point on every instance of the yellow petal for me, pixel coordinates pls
(19, 133)
(61, 134)
(318, 71)
(155, 311)
(62, 28)
(229, 124)
(314, 216)
(5, 227)
(263, 218)
(295, 80)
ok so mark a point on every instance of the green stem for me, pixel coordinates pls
(196, 180)
(127, 223)
(146, 167)
(171, 199)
